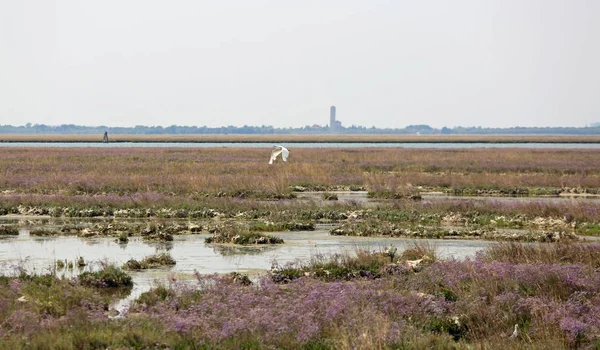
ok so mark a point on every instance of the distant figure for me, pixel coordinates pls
(277, 150)
(105, 140)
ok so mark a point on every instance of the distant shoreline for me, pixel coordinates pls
(295, 138)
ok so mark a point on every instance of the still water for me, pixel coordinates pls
(192, 254)
(301, 145)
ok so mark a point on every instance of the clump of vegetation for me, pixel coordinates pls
(149, 262)
(45, 297)
(159, 236)
(155, 295)
(70, 229)
(362, 264)
(157, 232)
(420, 250)
(299, 226)
(60, 264)
(391, 252)
(269, 226)
(236, 233)
(548, 253)
(243, 238)
(7, 230)
(40, 232)
(133, 264)
(335, 267)
(123, 238)
(110, 276)
(239, 278)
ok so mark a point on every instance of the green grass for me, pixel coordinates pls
(244, 238)
(110, 276)
(362, 264)
(589, 229)
(150, 262)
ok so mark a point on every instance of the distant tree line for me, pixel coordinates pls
(268, 129)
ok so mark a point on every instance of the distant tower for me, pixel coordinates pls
(332, 122)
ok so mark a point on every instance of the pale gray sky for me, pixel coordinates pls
(496, 63)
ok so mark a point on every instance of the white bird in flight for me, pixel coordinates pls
(279, 150)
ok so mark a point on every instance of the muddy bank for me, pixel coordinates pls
(486, 233)
(353, 213)
(357, 223)
(379, 221)
(453, 225)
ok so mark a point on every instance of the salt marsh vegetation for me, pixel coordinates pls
(361, 300)
(364, 299)
(209, 184)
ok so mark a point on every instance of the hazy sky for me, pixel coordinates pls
(392, 63)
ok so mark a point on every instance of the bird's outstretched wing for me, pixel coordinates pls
(274, 153)
(284, 154)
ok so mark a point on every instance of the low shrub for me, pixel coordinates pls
(110, 276)
(149, 262)
(244, 238)
(362, 264)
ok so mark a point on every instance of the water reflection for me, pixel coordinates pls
(163, 247)
(229, 250)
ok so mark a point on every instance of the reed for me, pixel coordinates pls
(243, 172)
(563, 253)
